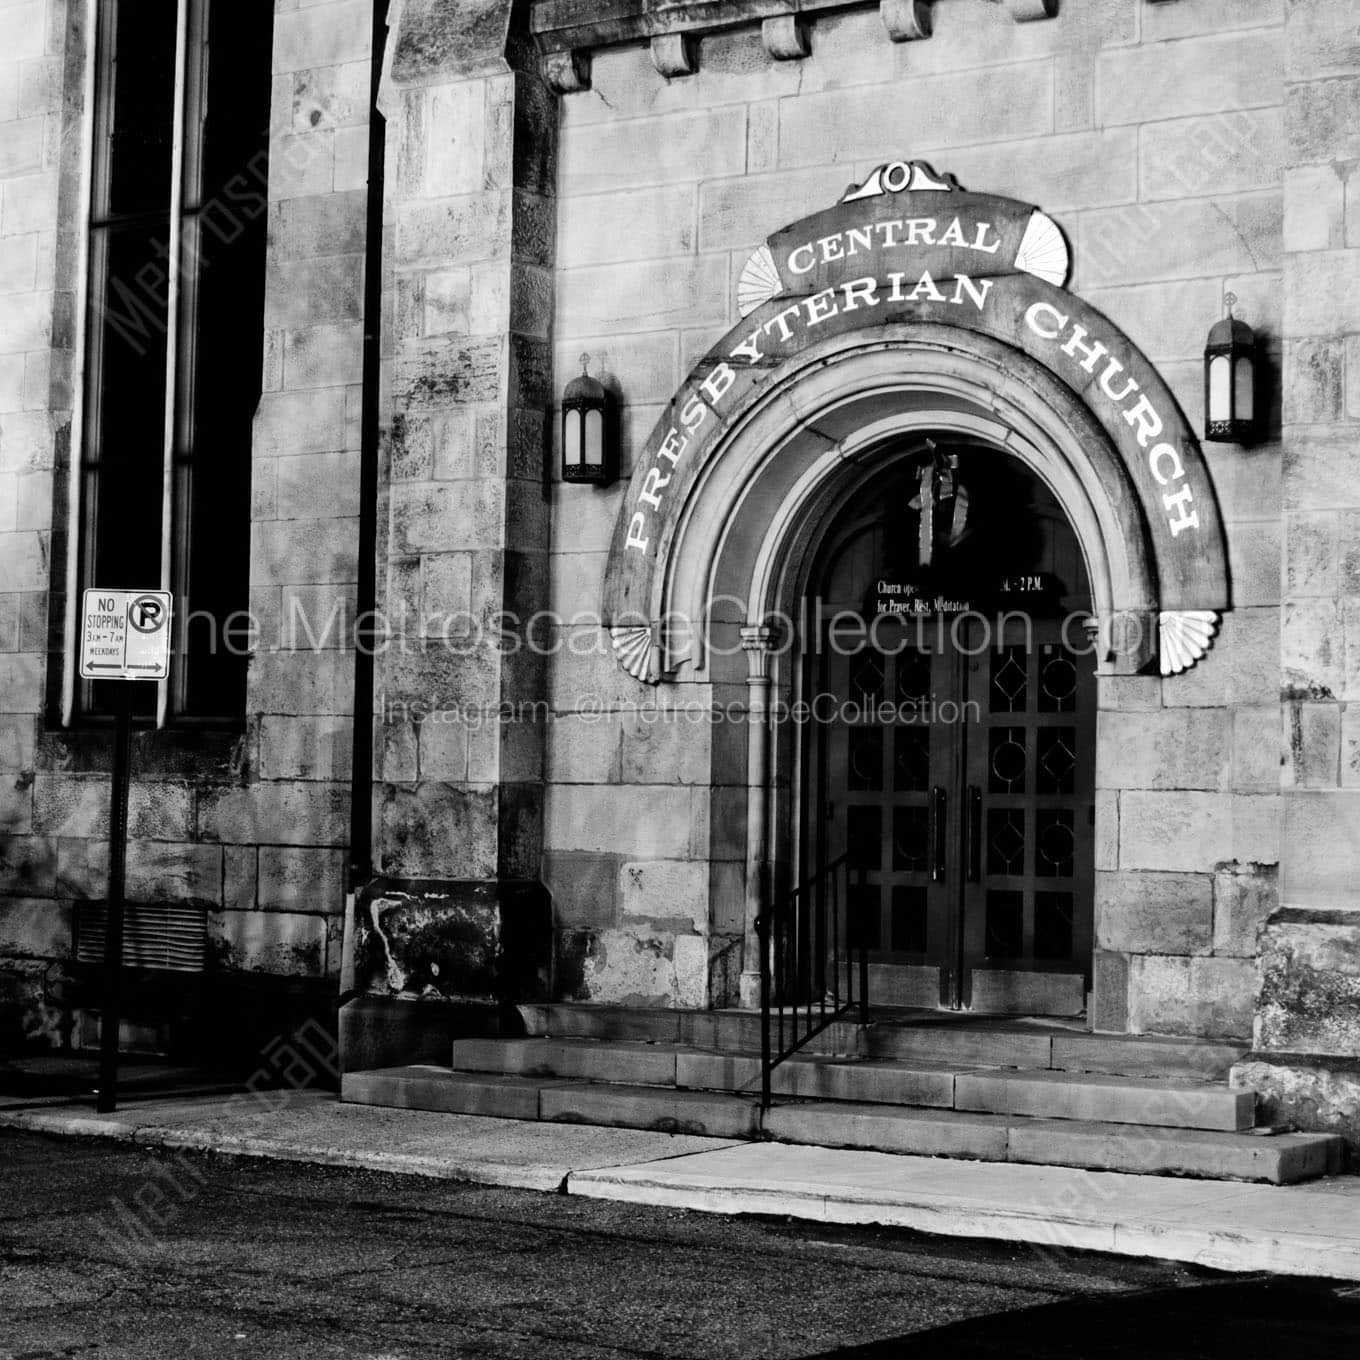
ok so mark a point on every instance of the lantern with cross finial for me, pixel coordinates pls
(588, 444)
(1230, 380)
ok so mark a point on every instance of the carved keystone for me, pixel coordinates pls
(906, 20)
(673, 55)
(785, 39)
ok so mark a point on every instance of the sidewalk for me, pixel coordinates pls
(1311, 1229)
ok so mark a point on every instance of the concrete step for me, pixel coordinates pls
(730, 1031)
(822, 1078)
(629, 1061)
(1041, 1094)
(1145, 1056)
(1106, 1099)
(712, 1113)
(908, 1036)
(889, 1128)
(963, 1044)
(564, 1021)
(642, 1064)
(421, 1087)
(1052, 1049)
(1255, 1155)
(1278, 1159)
(660, 1108)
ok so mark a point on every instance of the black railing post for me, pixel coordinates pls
(110, 1014)
(763, 938)
(819, 968)
(861, 897)
(794, 935)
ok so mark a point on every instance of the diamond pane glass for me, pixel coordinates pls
(1006, 760)
(1052, 925)
(866, 679)
(911, 759)
(911, 837)
(1005, 841)
(1054, 843)
(866, 759)
(1057, 768)
(1009, 686)
(1005, 925)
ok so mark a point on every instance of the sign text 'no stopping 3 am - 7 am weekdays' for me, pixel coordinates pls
(125, 635)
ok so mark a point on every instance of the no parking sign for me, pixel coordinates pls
(125, 635)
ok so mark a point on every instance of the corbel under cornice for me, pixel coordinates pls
(569, 32)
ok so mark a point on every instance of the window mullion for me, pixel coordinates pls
(181, 452)
(172, 318)
(94, 189)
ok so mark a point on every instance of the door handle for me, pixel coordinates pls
(972, 834)
(937, 829)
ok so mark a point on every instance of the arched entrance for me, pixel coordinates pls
(951, 749)
(909, 311)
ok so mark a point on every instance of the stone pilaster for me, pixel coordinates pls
(759, 643)
(1307, 1031)
(459, 911)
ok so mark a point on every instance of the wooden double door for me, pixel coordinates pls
(955, 764)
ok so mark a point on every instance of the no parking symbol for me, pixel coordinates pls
(125, 635)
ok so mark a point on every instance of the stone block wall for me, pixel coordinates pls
(1307, 1032)
(458, 906)
(1154, 135)
(286, 826)
(37, 73)
(252, 827)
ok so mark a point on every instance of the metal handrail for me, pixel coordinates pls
(806, 942)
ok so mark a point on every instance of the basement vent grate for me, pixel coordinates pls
(169, 935)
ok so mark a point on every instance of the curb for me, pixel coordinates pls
(1228, 1248)
(508, 1175)
(1209, 1233)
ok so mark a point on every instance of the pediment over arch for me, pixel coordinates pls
(903, 253)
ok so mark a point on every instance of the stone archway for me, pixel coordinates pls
(909, 260)
(909, 306)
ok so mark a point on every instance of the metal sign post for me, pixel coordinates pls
(125, 636)
(110, 1011)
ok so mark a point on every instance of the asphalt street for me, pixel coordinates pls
(112, 1251)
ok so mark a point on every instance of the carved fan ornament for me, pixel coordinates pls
(1184, 636)
(759, 282)
(1043, 252)
(633, 648)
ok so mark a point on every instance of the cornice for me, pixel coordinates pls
(568, 32)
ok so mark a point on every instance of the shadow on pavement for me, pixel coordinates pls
(71, 1079)
(1237, 1319)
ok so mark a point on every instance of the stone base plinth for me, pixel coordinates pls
(1309, 963)
(386, 1031)
(454, 941)
(1316, 1094)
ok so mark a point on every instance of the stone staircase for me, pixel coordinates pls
(914, 1083)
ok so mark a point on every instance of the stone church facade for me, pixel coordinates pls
(584, 775)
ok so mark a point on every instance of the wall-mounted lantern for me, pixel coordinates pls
(588, 445)
(1230, 380)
